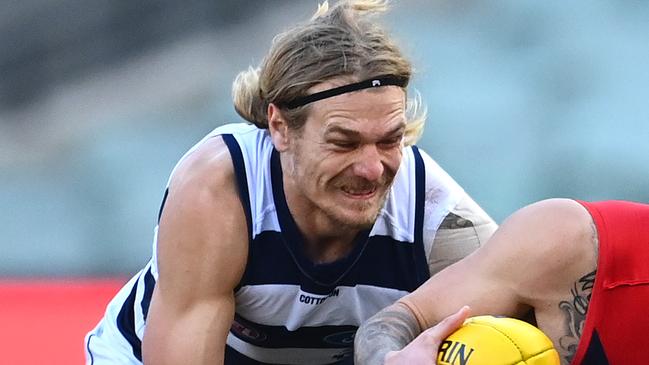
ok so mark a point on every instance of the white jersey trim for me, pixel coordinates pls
(294, 308)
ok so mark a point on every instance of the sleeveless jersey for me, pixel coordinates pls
(615, 331)
(289, 310)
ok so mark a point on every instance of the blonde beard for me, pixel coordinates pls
(292, 167)
(358, 224)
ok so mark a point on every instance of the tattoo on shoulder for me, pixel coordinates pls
(454, 221)
(389, 330)
(575, 315)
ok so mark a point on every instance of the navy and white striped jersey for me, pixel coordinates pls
(288, 309)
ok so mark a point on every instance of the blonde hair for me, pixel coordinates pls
(337, 41)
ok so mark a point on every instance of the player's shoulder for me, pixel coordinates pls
(203, 224)
(548, 228)
(550, 243)
(204, 184)
(207, 167)
(203, 203)
(210, 161)
(555, 220)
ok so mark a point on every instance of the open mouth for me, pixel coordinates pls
(363, 193)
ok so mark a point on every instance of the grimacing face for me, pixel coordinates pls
(343, 161)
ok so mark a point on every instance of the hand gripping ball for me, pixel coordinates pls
(489, 340)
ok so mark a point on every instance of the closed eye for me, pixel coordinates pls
(346, 145)
(391, 142)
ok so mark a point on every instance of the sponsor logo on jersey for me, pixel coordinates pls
(315, 300)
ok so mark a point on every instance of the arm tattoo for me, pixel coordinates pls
(389, 330)
(575, 311)
(454, 221)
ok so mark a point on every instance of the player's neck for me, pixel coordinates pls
(325, 239)
(325, 252)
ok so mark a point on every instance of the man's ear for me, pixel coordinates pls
(278, 128)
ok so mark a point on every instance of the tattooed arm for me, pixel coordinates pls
(386, 337)
(389, 330)
(575, 312)
(575, 309)
(464, 229)
(534, 258)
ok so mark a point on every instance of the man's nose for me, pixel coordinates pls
(369, 164)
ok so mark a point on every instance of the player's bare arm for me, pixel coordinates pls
(562, 313)
(460, 233)
(389, 330)
(574, 315)
(465, 282)
(530, 262)
(557, 254)
(202, 249)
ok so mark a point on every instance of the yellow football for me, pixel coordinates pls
(489, 340)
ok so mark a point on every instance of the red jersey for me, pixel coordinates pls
(616, 331)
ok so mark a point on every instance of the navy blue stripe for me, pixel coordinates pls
(92, 359)
(323, 337)
(234, 357)
(385, 262)
(242, 184)
(423, 272)
(149, 284)
(290, 236)
(126, 323)
(240, 173)
(162, 205)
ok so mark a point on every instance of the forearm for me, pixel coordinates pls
(391, 329)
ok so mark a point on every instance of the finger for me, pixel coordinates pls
(444, 328)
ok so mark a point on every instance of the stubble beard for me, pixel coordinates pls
(331, 210)
(360, 215)
(351, 215)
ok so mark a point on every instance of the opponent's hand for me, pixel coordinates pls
(423, 349)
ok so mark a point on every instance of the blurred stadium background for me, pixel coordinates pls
(98, 99)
